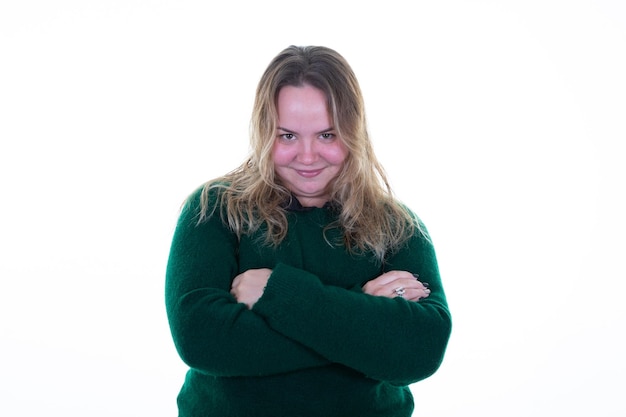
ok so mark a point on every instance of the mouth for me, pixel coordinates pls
(309, 173)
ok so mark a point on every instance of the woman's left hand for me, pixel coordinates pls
(398, 284)
(249, 286)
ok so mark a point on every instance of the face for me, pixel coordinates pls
(307, 153)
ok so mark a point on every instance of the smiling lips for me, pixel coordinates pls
(310, 173)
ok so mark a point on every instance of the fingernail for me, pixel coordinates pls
(417, 276)
(426, 284)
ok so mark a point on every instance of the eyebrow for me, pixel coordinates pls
(330, 129)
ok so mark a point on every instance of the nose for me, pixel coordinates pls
(307, 152)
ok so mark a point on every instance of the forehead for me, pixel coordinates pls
(302, 104)
(303, 92)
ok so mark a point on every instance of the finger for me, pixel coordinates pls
(395, 287)
(410, 294)
(386, 284)
(399, 291)
(417, 277)
(407, 283)
(391, 276)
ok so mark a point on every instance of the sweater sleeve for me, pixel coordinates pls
(212, 332)
(388, 339)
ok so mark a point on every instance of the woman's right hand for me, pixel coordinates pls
(249, 286)
(397, 284)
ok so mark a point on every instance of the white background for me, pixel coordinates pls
(501, 123)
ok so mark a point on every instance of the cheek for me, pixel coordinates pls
(337, 154)
(281, 155)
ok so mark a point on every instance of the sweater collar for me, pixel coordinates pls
(294, 205)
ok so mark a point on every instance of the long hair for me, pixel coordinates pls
(252, 196)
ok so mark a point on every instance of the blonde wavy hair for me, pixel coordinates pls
(253, 196)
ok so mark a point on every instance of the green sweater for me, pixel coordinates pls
(314, 344)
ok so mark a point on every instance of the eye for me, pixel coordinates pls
(287, 137)
(327, 136)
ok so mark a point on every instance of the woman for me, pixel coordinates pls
(297, 285)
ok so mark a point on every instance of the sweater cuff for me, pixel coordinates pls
(288, 289)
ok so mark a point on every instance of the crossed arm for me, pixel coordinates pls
(248, 286)
(265, 322)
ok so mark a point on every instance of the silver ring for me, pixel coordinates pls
(400, 291)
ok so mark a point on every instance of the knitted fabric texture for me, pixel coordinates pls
(314, 344)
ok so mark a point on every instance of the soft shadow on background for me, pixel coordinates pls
(500, 123)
